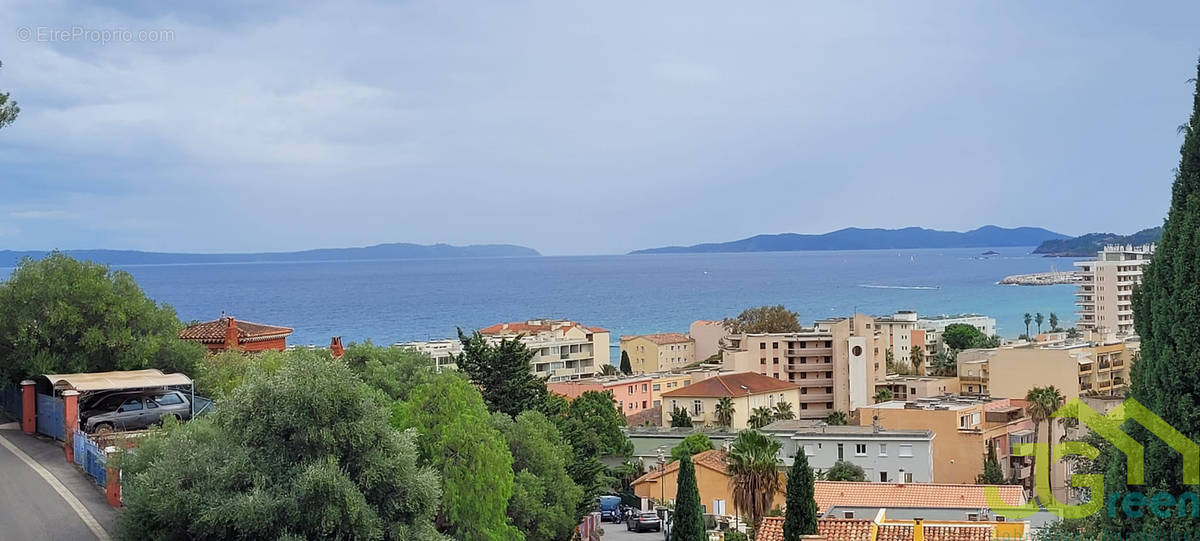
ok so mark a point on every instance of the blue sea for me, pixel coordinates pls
(401, 300)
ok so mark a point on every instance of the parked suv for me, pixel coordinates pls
(133, 410)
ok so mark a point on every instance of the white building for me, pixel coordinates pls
(562, 350)
(886, 456)
(935, 325)
(1106, 287)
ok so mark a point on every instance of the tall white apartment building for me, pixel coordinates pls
(1105, 295)
(562, 350)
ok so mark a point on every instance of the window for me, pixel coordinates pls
(133, 404)
(847, 514)
(860, 449)
(674, 405)
(908, 478)
(169, 399)
(657, 387)
(774, 345)
(645, 387)
(631, 389)
(883, 478)
(883, 449)
(808, 450)
(762, 345)
(150, 404)
(906, 449)
(698, 407)
(841, 452)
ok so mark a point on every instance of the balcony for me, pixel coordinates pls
(813, 382)
(809, 352)
(973, 379)
(816, 397)
(1085, 368)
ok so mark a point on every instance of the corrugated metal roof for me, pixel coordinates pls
(127, 379)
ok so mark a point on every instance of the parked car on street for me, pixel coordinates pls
(133, 410)
(643, 522)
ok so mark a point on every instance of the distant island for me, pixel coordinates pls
(873, 239)
(1087, 245)
(397, 250)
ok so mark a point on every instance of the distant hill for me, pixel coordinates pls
(873, 239)
(379, 251)
(1087, 245)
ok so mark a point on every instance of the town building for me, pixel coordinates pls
(712, 480)
(1105, 290)
(885, 455)
(900, 335)
(1076, 368)
(658, 352)
(667, 381)
(707, 335)
(747, 390)
(930, 502)
(227, 333)
(631, 395)
(562, 349)
(652, 444)
(836, 362)
(905, 387)
(442, 352)
(883, 527)
(964, 426)
(934, 326)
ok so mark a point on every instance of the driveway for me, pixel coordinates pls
(617, 532)
(37, 504)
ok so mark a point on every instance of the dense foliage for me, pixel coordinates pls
(306, 452)
(545, 501)
(687, 523)
(837, 418)
(395, 371)
(626, 366)
(960, 336)
(844, 471)
(680, 418)
(991, 474)
(59, 315)
(502, 373)
(764, 319)
(753, 477)
(218, 375)
(693, 444)
(591, 425)
(457, 438)
(800, 517)
(1166, 306)
(8, 110)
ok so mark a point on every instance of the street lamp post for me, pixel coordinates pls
(662, 487)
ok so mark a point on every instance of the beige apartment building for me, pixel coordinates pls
(836, 362)
(658, 352)
(1106, 286)
(707, 334)
(914, 387)
(1075, 369)
(563, 350)
(747, 390)
(900, 334)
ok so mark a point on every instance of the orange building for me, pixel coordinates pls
(631, 395)
(712, 479)
(227, 333)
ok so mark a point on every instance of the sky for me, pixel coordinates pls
(581, 127)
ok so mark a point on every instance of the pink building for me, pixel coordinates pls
(632, 395)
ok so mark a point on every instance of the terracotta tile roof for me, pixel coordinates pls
(932, 495)
(983, 532)
(528, 327)
(661, 338)
(833, 529)
(731, 385)
(713, 459)
(248, 331)
(894, 532)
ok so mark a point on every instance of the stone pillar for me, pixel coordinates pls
(112, 483)
(28, 407)
(70, 421)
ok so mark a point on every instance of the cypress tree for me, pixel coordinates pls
(687, 524)
(801, 516)
(626, 366)
(1166, 306)
(992, 474)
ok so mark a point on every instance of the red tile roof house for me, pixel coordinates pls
(227, 333)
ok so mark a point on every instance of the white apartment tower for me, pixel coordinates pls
(1105, 295)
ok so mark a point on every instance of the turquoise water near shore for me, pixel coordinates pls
(389, 301)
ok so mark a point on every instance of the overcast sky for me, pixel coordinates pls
(582, 128)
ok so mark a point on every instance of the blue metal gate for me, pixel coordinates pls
(90, 457)
(50, 417)
(10, 401)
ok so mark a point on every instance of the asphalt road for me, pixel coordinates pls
(617, 532)
(30, 508)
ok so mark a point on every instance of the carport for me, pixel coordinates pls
(149, 378)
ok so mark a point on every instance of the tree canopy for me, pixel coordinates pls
(845, 471)
(395, 371)
(1166, 306)
(691, 445)
(960, 336)
(680, 418)
(545, 501)
(502, 373)
(60, 315)
(764, 319)
(305, 452)
(991, 474)
(687, 523)
(8, 110)
(753, 477)
(591, 425)
(626, 366)
(800, 517)
(457, 438)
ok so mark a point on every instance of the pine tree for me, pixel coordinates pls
(801, 516)
(502, 373)
(992, 474)
(626, 366)
(687, 524)
(1166, 307)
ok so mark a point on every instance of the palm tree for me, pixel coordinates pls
(724, 412)
(884, 395)
(1042, 401)
(1039, 319)
(837, 418)
(1053, 322)
(1052, 400)
(783, 411)
(1028, 319)
(753, 477)
(918, 358)
(608, 370)
(761, 416)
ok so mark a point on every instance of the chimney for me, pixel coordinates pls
(901, 480)
(918, 529)
(335, 346)
(231, 334)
